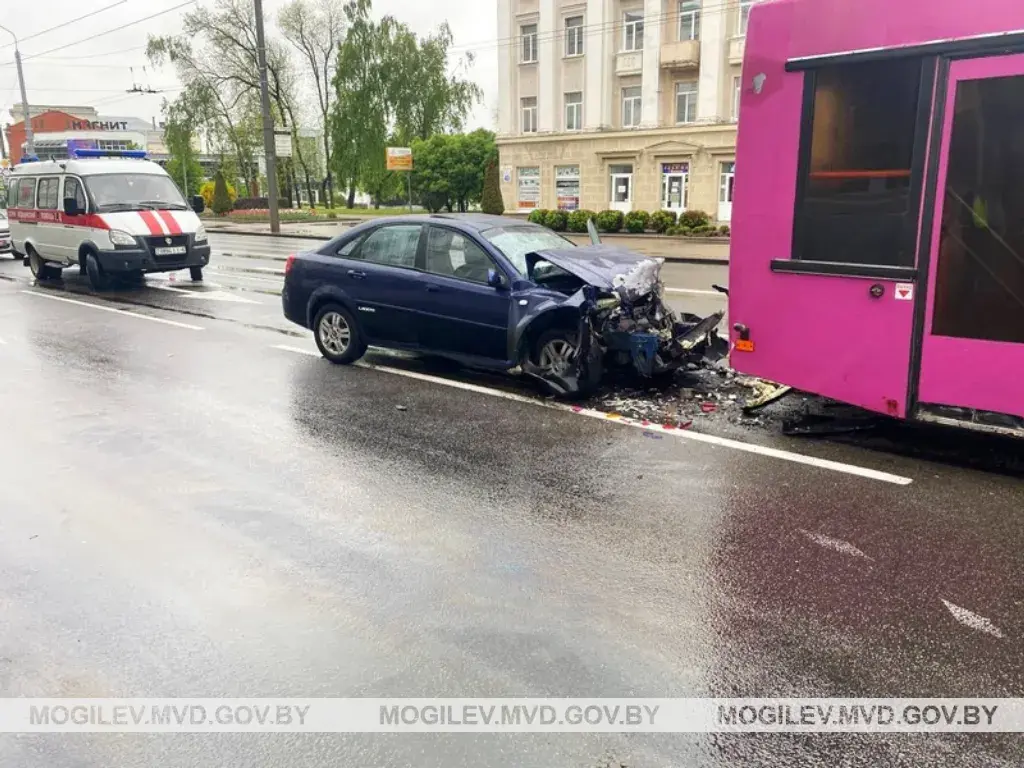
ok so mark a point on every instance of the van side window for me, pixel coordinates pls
(73, 188)
(27, 193)
(47, 196)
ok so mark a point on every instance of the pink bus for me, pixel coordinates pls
(878, 221)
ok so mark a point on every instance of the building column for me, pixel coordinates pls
(712, 56)
(549, 57)
(653, 26)
(507, 92)
(597, 56)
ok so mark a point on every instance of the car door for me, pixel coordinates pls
(50, 229)
(381, 278)
(74, 228)
(462, 314)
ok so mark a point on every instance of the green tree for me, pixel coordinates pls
(449, 169)
(181, 116)
(221, 200)
(490, 200)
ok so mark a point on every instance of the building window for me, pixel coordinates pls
(118, 145)
(854, 201)
(574, 111)
(529, 35)
(633, 31)
(567, 187)
(529, 188)
(574, 36)
(689, 19)
(674, 178)
(726, 184)
(632, 99)
(686, 102)
(529, 114)
(744, 16)
(737, 88)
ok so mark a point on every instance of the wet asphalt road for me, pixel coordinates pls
(191, 510)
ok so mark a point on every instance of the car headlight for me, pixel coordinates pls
(200, 235)
(117, 237)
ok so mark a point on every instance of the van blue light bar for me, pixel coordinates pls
(137, 154)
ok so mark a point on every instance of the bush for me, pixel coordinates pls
(490, 201)
(538, 216)
(694, 219)
(221, 198)
(724, 230)
(578, 221)
(609, 221)
(637, 221)
(556, 220)
(207, 191)
(661, 221)
(251, 203)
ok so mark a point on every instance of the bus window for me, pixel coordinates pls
(858, 146)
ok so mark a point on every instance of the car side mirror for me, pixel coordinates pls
(198, 204)
(71, 207)
(495, 279)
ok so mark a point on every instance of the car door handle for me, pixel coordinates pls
(356, 275)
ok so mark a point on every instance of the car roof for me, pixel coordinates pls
(477, 222)
(92, 166)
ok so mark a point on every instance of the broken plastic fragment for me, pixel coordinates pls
(708, 407)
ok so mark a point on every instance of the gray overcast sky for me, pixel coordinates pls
(100, 80)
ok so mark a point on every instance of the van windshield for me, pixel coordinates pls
(134, 191)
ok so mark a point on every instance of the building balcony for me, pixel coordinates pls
(684, 54)
(736, 48)
(629, 63)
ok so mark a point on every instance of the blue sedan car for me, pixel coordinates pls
(489, 292)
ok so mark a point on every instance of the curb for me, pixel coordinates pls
(293, 236)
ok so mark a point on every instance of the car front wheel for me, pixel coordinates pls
(337, 335)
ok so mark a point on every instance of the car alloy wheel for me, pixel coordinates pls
(335, 333)
(556, 356)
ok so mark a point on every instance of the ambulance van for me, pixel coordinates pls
(111, 213)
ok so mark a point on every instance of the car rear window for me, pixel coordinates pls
(517, 241)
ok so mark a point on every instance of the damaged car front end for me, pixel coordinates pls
(596, 307)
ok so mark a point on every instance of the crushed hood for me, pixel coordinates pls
(604, 267)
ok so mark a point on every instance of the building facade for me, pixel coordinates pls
(621, 104)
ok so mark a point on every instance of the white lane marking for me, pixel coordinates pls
(298, 350)
(695, 291)
(682, 434)
(837, 544)
(243, 270)
(207, 295)
(973, 620)
(136, 315)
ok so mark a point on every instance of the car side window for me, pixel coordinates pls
(47, 194)
(73, 188)
(452, 254)
(393, 246)
(347, 249)
(27, 193)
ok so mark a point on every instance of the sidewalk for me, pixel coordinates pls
(687, 250)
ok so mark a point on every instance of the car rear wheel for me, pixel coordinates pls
(337, 335)
(40, 269)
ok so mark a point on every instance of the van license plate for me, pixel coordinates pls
(172, 251)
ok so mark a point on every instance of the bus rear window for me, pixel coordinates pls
(855, 203)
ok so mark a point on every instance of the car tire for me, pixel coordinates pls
(98, 279)
(337, 335)
(196, 273)
(40, 269)
(563, 341)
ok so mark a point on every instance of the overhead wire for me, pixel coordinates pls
(66, 23)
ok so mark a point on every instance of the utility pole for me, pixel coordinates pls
(30, 139)
(268, 120)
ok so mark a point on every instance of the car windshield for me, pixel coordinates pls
(515, 242)
(134, 191)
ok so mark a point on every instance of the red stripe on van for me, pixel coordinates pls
(150, 221)
(169, 221)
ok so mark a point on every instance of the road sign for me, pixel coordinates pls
(399, 159)
(283, 143)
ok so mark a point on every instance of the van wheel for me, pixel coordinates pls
(40, 269)
(98, 279)
(196, 273)
(337, 335)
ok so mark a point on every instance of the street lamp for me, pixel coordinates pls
(30, 139)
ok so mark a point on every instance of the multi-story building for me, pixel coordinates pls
(622, 104)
